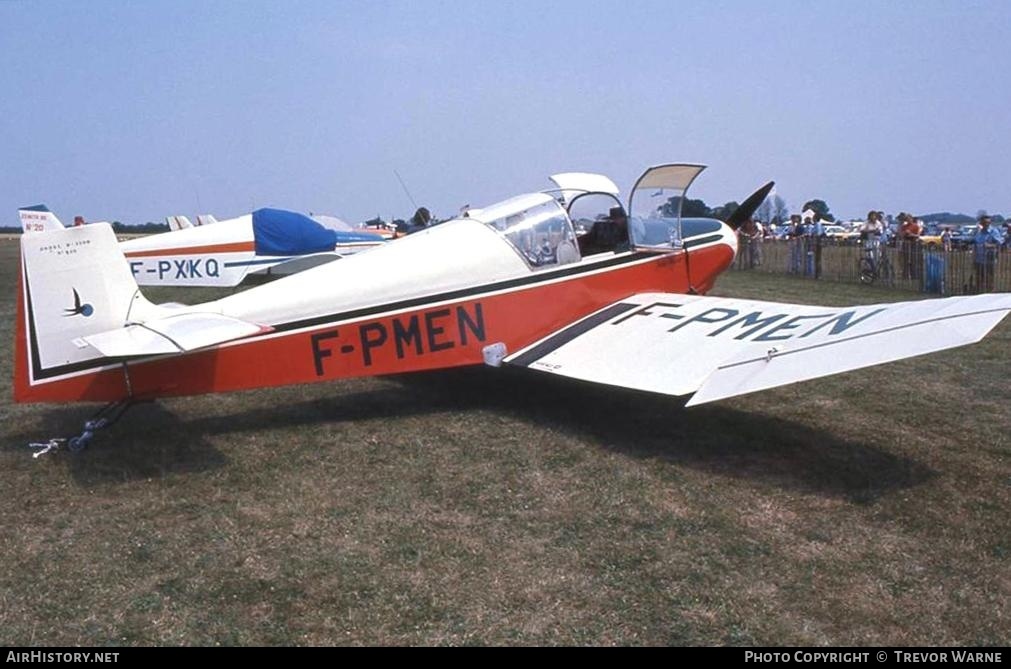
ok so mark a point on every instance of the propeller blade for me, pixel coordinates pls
(748, 207)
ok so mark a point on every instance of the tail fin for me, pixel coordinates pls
(178, 222)
(75, 282)
(206, 219)
(38, 219)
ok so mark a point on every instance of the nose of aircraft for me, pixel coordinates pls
(729, 235)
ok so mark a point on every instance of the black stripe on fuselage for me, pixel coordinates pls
(38, 373)
(539, 277)
(563, 337)
(689, 243)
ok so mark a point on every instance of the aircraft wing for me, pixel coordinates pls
(722, 347)
(178, 333)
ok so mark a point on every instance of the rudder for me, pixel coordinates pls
(74, 282)
(38, 219)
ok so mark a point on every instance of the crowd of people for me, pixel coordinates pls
(806, 235)
(806, 232)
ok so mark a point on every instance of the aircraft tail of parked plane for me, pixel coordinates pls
(38, 219)
(76, 283)
(178, 222)
(81, 309)
(206, 219)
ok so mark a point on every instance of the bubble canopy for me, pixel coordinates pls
(537, 226)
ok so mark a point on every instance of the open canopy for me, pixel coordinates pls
(655, 205)
(571, 184)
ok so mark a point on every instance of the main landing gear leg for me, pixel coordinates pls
(103, 418)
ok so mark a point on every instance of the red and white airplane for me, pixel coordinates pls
(224, 253)
(513, 284)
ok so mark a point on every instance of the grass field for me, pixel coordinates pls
(486, 507)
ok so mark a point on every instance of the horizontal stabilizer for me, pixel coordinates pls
(723, 347)
(172, 334)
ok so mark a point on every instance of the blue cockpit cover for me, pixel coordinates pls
(277, 232)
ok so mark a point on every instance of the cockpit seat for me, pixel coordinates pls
(607, 234)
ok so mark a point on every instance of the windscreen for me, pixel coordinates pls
(655, 206)
(537, 227)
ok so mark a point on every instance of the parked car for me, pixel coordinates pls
(962, 238)
(839, 233)
(931, 237)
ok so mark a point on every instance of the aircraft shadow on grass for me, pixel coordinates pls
(153, 440)
(713, 438)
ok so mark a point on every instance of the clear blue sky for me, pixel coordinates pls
(133, 110)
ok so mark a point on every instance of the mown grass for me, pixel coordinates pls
(482, 507)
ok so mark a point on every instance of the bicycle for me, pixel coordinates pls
(875, 264)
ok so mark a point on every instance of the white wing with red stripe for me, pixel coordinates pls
(722, 347)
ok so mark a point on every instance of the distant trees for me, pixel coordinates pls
(697, 209)
(947, 218)
(689, 209)
(780, 212)
(819, 207)
(773, 209)
(140, 229)
(724, 211)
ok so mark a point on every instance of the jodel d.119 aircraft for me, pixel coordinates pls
(510, 284)
(224, 253)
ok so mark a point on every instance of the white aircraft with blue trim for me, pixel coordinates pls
(268, 241)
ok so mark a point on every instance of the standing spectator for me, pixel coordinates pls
(918, 250)
(810, 242)
(805, 245)
(795, 238)
(872, 227)
(818, 236)
(886, 228)
(871, 235)
(984, 253)
(909, 241)
(744, 245)
(749, 236)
